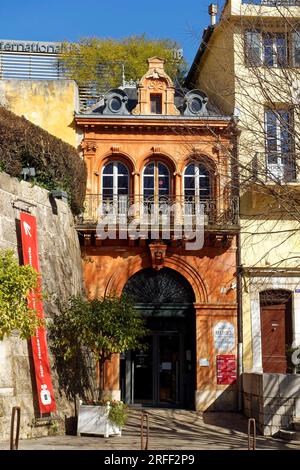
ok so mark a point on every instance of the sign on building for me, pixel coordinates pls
(224, 337)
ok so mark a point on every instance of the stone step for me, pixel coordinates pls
(289, 435)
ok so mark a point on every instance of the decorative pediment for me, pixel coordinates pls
(156, 91)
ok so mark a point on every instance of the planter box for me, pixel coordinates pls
(94, 420)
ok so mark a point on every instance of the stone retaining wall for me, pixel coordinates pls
(60, 264)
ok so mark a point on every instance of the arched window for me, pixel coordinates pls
(115, 188)
(156, 180)
(197, 181)
(115, 180)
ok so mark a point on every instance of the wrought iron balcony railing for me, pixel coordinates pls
(275, 167)
(161, 209)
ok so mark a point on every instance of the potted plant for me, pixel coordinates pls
(103, 417)
(104, 327)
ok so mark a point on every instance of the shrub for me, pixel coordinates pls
(16, 282)
(57, 164)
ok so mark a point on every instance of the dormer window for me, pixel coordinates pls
(156, 103)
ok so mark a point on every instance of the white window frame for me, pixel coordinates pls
(197, 179)
(260, 41)
(118, 201)
(276, 170)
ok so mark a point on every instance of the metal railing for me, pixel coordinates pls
(15, 428)
(144, 424)
(283, 170)
(175, 209)
(273, 3)
(251, 434)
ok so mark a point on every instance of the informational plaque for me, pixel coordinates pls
(224, 336)
(226, 369)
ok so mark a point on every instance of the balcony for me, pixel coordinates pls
(272, 3)
(275, 167)
(163, 212)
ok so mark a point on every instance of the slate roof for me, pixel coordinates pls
(97, 108)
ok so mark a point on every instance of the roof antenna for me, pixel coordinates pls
(123, 76)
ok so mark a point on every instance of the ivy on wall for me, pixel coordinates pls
(57, 164)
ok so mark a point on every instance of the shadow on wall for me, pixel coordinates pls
(227, 400)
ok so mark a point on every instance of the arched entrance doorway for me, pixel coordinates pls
(163, 374)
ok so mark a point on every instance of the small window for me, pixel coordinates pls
(156, 103)
(115, 104)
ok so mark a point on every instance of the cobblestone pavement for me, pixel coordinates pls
(169, 430)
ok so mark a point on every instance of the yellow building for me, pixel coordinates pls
(33, 85)
(248, 62)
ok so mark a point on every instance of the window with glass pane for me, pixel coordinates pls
(275, 49)
(268, 48)
(156, 103)
(149, 180)
(197, 181)
(296, 48)
(156, 180)
(115, 180)
(279, 144)
(163, 180)
(253, 47)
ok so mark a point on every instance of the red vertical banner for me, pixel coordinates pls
(39, 343)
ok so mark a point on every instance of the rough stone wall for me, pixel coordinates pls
(60, 264)
(273, 400)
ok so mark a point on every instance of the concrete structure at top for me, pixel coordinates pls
(249, 63)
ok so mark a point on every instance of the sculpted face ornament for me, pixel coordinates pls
(158, 254)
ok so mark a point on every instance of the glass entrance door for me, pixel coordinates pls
(169, 369)
(142, 374)
(157, 371)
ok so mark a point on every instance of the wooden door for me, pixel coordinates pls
(274, 332)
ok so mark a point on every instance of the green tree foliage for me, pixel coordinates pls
(100, 60)
(105, 326)
(57, 164)
(16, 282)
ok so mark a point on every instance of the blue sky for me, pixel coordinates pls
(58, 20)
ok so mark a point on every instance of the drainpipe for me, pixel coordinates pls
(240, 321)
(239, 270)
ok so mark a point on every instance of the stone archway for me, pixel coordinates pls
(163, 374)
(119, 278)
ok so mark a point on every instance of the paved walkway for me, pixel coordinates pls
(169, 430)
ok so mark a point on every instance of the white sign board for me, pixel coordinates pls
(224, 336)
